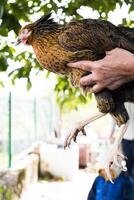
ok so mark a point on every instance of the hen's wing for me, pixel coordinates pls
(129, 32)
(96, 35)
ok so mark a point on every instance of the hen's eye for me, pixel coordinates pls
(23, 31)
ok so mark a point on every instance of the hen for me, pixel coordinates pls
(56, 45)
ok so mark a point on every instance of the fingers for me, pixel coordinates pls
(85, 65)
(97, 88)
(87, 80)
(100, 85)
(94, 87)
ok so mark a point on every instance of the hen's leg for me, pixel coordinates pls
(105, 104)
(121, 117)
(116, 157)
(79, 126)
(105, 101)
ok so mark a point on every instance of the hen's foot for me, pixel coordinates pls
(73, 134)
(117, 159)
(79, 127)
(115, 165)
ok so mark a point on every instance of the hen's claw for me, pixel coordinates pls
(115, 165)
(83, 132)
(73, 136)
(80, 127)
(122, 156)
(108, 174)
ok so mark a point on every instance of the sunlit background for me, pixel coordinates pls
(30, 106)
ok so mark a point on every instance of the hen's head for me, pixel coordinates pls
(25, 35)
(40, 27)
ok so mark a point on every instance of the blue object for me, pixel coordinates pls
(122, 189)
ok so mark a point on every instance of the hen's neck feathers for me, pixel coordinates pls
(45, 25)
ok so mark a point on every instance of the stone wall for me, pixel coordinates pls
(23, 173)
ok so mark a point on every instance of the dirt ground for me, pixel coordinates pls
(67, 190)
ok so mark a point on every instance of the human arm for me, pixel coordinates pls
(115, 69)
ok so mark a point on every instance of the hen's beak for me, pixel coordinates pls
(18, 41)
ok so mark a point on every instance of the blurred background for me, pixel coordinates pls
(36, 105)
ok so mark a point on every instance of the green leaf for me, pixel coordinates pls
(29, 84)
(47, 75)
(2, 84)
(3, 63)
(1, 10)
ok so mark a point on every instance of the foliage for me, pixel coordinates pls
(15, 12)
(68, 96)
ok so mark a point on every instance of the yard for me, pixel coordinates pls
(68, 190)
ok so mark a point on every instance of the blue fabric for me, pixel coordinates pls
(104, 190)
(108, 191)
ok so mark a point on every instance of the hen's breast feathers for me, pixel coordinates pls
(54, 57)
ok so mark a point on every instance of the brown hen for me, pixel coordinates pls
(56, 45)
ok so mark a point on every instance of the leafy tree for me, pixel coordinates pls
(15, 12)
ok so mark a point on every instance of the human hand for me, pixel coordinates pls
(115, 69)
